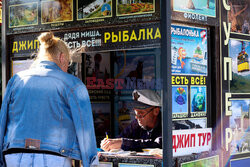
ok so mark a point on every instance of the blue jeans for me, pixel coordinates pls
(36, 160)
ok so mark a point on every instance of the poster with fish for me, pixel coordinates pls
(239, 51)
(93, 9)
(198, 101)
(133, 7)
(202, 7)
(189, 50)
(23, 15)
(56, 11)
(179, 101)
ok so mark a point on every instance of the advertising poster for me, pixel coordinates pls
(93, 9)
(198, 101)
(240, 162)
(133, 7)
(97, 73)
(239, 51)
(189, 50)
(186, 142)
(56, 11)
(179, 101)
(98, 65)
(101, 114)
(239, 124)
(202, 7)
(20, 65)
(211, 162)
(190, 124)
(239, 16)
(23, 15)
(136, 69)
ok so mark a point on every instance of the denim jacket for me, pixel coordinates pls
(52, 107)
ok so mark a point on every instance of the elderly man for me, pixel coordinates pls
(143, 132)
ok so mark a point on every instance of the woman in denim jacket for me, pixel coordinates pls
(46, 118)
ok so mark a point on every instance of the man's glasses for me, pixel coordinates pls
(142, 116)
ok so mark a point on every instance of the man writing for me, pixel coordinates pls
(143, 132)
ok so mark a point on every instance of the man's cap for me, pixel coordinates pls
(145, 98)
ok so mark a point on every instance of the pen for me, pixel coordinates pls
(107, 135)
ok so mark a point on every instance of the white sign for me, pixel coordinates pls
(186, 142)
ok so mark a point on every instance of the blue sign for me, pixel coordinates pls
(189, 50)
(240, 162)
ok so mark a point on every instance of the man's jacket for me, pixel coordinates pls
(135, 138)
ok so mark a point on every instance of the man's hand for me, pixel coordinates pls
(110, 144)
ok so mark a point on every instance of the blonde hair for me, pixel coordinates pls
(52, 46)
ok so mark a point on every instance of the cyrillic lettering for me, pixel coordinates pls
(204, 135)
(200, 134)
(15, 47)
(36, 44)
(30, 44)
(73, 36)
(142, 31)
(226, 6)
(192, 139)
(228, 104)
(98, 34)
(133, 36)
(228, 71)
(125, 36)
(22, 45)
(114, 37)
(120, 36)
(180, 141)
(174, 142)
(208, 137)
(88, 43)
(187, 141)
(157, 33)
(227, 32)
(106, 37)
(149, 33)
(78, 45)
(229, 137)
(66, 37)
